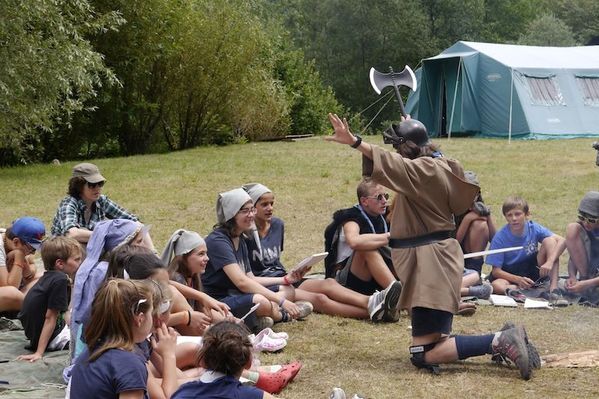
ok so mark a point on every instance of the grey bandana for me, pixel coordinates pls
(256, 190)
(229, 203)
(181, 242)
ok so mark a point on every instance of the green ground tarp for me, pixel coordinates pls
(42, 379)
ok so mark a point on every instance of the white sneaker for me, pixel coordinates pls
(382, 304)
(338, 393)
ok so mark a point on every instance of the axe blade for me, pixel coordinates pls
(380, 80)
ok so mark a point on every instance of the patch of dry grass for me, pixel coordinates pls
(311, 179)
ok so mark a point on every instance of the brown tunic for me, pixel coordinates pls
(429, 192)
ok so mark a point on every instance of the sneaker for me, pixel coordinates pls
(382, 304)
(305, 307)
(263, 322)
(516, 294)
(533, 354)
(392, 317)
(511, 345)
(481, 291)
(338, 393)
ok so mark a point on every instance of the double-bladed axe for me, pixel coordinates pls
(406, 78)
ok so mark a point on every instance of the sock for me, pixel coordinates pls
(473, 345)
(253, 376)
(285, 316)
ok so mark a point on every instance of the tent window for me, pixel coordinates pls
(544, 91)
(589, 86)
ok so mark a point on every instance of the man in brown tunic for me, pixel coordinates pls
(430, 190)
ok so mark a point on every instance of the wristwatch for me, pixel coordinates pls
(357, 143)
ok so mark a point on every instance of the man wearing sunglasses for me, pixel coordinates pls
(85, 205)
(582, 242)
(358, 242)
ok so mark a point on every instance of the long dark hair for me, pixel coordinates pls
(139, 262)
(76, 186)
(411, 150)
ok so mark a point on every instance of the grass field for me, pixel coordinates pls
(311, 179)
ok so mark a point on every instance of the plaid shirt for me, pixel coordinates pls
(71, 211)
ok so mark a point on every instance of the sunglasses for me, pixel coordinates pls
(380, 197)
(94, 185)
(590, 220)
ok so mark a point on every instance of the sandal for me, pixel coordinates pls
(267, 344)
(272, 383)
(291, 369)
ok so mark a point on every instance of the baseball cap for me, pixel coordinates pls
(29, 229)
(89, 172)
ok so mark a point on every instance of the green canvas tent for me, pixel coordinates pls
(501, 90)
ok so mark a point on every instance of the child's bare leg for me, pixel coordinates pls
(336, 291)
(500, 285)
(11, 299)
(326, 305)
(549, 245)
(577, 250)
(367, 265)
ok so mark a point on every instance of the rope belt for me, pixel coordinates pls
(420, 240)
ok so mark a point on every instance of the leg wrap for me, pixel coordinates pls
(417, 358)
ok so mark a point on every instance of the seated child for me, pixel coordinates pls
(520, 268)
(47, 301)
(226, 351)
(582, 241)
(113, 364)
(18, 271)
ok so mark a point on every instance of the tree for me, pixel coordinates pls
(582, 16)
(547, 30)
(48, 70)
(346, 38)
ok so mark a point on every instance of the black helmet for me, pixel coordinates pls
(410, 130)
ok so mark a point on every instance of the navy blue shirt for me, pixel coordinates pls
(222, 252)
(226, 387)
(115, 371)
(266, 260)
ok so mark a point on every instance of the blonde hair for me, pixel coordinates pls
(59, 247)
(112, 316)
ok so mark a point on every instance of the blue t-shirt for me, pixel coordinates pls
(533, 234)
(222, 252)
(115, 371)
(266, 260)
(226, 387)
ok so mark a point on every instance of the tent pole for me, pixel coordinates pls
(511, 103)
(455, 94)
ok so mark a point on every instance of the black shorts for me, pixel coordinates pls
(363, 287)
(428, 321)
